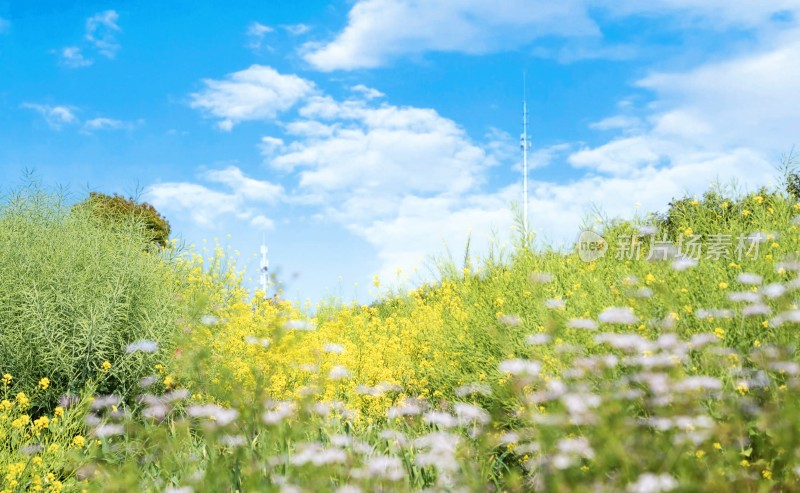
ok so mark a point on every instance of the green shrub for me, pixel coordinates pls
(115, 211)
(74, 294)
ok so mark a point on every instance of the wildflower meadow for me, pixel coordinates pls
(666, 362)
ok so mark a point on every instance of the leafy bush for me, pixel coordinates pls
(116, 211)
(75, 294)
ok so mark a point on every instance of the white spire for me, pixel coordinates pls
(525, 143)
(264, 265)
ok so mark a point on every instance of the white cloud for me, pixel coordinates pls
(378, 151)
(718, 14)
(205, 206)
(255, 35)
(367, 92)
(256, 93)
(105, 124)
(247, 188)
(381, 30)
(54, 116)
(72, 57)
(296, 29)
(101, 32)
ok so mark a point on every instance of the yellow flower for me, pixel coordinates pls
(42, 422)
(688, 231)
(376, 281)
(105, 366)
(649, 278)
(756, 343)
(725, 205)
(719, 332)
(23, 400)
(21, 421)
(742, 388)
(169, 381)
(759, 199)
(687, 308)
(695, 202)
(745, 463)
(765, 323)
(699, 454)
(745, 213)
(7, 379)
(796, 206)
(79, 441)
(766, 473)
(717, 446)
(723, 285)
(59, 412)
(44, 383)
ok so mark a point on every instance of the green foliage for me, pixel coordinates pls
(116, 211)
(74, 294)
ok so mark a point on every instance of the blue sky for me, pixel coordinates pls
(363, 136)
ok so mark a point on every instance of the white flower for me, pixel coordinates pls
(300, 325)
(338, 372)
(510, 320)
(142, 346)
(333, 348)
(622, 341)
(518, 366)
(222, 416)
(748, 278)
(233, 440)
(314, 453)
(108, 429)
(774, 290)
(745, 296)
(756, 309)
(582, 323)
(255, 340)
(472, 389)
(385, 467)
(468, 414)
(406, 408)
(651, 483)
(277, 412)
(440, 419)
(540, 277)
(792, 316)
(701, 382)
(618, 315)
(536, 339)
(704, 313)
(104, 401)
(148, 381)
(683, 263)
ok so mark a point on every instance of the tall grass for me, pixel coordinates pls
(75, 294)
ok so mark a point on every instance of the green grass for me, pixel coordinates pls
(74, 294)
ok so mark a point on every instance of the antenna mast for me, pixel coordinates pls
(264, 265)
(525, 143)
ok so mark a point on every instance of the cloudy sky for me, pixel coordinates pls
(364, 136)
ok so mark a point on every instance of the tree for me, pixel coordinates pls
(114, 210)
